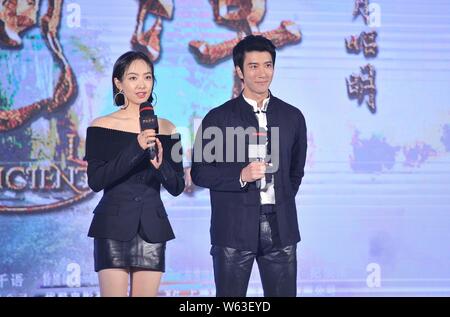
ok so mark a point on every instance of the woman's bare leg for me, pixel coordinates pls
(145, 283)
(113, 282)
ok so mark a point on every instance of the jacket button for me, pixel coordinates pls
(137, 198)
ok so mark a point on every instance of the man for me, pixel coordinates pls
(253, 211)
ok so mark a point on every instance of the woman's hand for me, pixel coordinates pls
(146, 138)
(158, 158)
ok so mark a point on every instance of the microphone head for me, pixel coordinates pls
(259, 136)
(147, 117)
(146, 109)
(257, 144)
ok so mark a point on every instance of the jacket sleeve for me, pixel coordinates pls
(102, 174)
(298, 155)
(171, 173)
(171, 179)
(209, 174)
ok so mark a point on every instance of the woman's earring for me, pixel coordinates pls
(120, 100)
(154, 99)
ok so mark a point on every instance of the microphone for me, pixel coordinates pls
(257, 148)
(148, 120)
(268, 159)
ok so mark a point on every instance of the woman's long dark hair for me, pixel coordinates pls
(121, 65)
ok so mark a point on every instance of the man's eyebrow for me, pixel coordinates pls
(256, 63)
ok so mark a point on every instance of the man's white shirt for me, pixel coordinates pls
(267, 191)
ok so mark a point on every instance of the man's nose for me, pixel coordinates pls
(261, 73)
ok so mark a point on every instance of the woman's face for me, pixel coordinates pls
(137, 82)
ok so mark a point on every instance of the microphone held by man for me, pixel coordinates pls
(257, 154)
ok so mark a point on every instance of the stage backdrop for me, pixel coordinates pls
(372, 79)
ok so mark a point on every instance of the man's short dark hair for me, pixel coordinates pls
(252, 43)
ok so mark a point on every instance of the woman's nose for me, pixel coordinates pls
(141, 83)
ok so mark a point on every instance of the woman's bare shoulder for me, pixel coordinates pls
(166, 127)
(107, 121)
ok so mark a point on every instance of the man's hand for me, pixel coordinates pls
(253, 171)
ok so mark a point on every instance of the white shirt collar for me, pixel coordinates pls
(254, 104)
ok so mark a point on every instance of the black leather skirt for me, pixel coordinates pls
(133, 254)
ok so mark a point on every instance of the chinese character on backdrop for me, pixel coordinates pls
(242, 16)
(149, 41)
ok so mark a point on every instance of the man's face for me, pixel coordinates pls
(257, 74)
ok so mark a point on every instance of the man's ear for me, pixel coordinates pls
(118, 84)
(239, 72)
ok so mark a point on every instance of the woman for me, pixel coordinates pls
(130, 225)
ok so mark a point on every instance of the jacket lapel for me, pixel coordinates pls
(272, 114)
(245, 113)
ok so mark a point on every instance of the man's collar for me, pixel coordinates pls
(254, 104)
